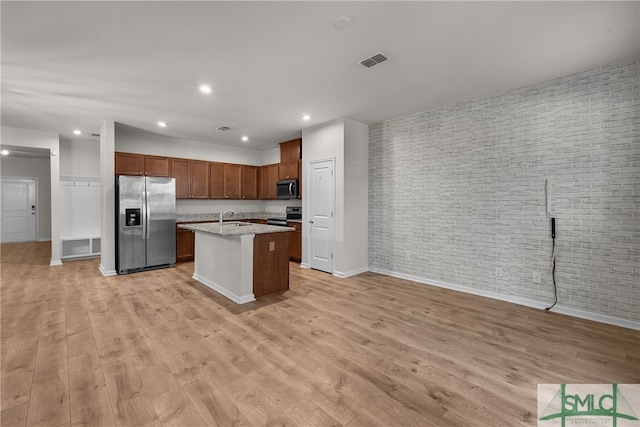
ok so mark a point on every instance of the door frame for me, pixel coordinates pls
(35, 195)
(307, 210)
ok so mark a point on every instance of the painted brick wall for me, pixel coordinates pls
(457, 192)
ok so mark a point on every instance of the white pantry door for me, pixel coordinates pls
(18, 210)
(321, 195)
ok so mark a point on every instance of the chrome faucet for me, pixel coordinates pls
(222, 214)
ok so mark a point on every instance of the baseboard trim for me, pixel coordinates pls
(53, 262)
(106, 272)
(304, 265)
(224, 292)
(351, 273)
(46, 239)
(582, 314)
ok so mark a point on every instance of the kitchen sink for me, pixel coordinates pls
(235, 224)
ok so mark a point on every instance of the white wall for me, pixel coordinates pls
(322, 142)
(270, 157)
(346, 141)
(354, 256)
(39, 169)
(79, 158)
(131, 141)
(51, 142)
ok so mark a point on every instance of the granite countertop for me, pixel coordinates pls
(239, 229)
(237, 217)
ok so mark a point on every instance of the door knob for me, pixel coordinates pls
(310, 221)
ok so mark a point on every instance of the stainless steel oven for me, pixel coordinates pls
(293, 213)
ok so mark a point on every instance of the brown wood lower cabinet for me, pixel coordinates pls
(295, 237)
(185, 245)
(270, 263)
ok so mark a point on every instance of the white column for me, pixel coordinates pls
(54, 165)
(107, 188)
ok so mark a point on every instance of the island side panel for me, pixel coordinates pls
(270, 263)
(222, 262)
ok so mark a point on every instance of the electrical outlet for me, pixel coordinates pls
(536, 277)
(498, 271)
(272, 246)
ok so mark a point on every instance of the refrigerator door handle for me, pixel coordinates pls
(144, 215)
(146, 203)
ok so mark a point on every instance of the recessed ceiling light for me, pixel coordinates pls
(163, 124)
(245, 138)
(77, 132)
(205, 88)
(306, 117)
(5, 152)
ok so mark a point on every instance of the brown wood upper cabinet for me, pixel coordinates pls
(192, 178)
(157, 166)
(268, 178)
(129, 164)
(288, 170)
(249, 182)
(290, 155)
(139, 164)
(225, 181)
(291, 151)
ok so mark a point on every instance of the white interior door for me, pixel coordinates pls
(18, 200)
(321, 204)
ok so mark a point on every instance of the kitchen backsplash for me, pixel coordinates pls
(185, 207)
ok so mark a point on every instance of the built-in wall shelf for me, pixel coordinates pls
(80, 247)
(79, 217)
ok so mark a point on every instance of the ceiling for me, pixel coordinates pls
(17, 151)
(71, 65)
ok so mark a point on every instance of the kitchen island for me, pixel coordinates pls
(241, 260)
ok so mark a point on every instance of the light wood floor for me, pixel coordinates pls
(159, 348)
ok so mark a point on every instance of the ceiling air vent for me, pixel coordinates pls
(373, 60)
(223, 128)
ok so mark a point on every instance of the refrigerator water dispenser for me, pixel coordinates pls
(133, 217)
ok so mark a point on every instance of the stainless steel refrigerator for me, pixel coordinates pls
(145, 223)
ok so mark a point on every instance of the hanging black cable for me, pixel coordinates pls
(553, 262)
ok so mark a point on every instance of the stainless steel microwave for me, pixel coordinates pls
(287, 189)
